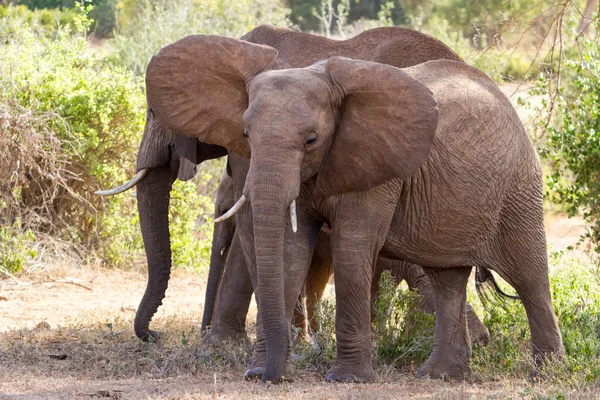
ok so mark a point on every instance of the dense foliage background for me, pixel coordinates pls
(72, 109)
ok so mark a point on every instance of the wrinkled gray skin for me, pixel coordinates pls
(428, 164)
(169, 156)
(319, 274)
(221, 243)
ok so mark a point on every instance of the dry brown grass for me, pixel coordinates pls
(70, 336)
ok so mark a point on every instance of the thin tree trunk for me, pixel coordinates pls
(586, 19)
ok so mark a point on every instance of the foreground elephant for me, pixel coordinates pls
(428, 164)
(165, 156)
(321, 269)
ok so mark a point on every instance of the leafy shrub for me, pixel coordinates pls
(44, 22)
(160, 22)
(71, 124)
(402, 333)
(102, 13)
(574, 289)
(573, 144)
(16, 247)
(318, 353)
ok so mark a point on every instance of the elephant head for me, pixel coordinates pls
(348, 125)
(221, 242)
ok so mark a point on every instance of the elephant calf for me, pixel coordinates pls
(319, 274)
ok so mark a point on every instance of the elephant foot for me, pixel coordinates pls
(149, 337)
(480, 336)
(445, 369)
(351, 374)
(214, 337)
(257, 373)
(254, 374)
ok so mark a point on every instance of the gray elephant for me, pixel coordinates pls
(428, 164)
(319, 274)
(165, 156)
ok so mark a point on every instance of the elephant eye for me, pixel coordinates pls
(245, 134)
(311, 140)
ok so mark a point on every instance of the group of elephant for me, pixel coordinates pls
(381, 152)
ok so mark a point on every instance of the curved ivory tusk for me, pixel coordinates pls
(233, 210)
(293, 216)
(136, 179)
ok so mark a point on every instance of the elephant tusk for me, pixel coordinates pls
(136, 179)
(293, 216)
(233, 210)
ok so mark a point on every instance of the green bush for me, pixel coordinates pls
(102, 13)
(575, 290)
(72, 124)
(157, 23)
(44, 22)
(16, 248)
(318, 352)
(402, 333)
(573, 143)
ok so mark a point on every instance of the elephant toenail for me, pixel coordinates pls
(254, 374)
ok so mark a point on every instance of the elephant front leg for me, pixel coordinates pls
(355, 246)
(353, 361)
(451, 353)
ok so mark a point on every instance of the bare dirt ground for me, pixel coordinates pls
(68, 334)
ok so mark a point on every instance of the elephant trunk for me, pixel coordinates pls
(222, 237)
(153, 195)
(272, 189)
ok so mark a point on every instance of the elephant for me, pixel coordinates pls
(428, 164)
(319, 274)
(166, 155)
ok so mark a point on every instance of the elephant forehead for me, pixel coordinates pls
(289, 105)
(292, 85)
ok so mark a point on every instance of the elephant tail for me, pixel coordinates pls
(488, 289)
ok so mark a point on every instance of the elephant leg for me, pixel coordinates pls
(233, 299)
(478, 332)
(320, 271)
(356, 243)
(451, 353)
(520, 257)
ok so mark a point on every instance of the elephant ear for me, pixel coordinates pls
(385, 130)
(197, 87)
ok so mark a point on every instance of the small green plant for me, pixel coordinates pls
(402, 333)
(16, 248)
(318, 352)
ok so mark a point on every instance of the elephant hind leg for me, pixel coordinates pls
(451, 353)
(520, 258)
